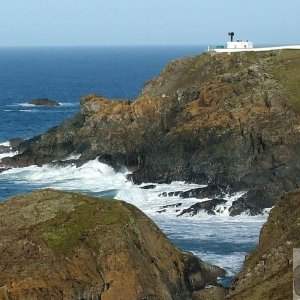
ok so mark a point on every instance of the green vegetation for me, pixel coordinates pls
(286, 69)
(63, 232)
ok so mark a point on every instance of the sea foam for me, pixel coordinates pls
(219, 239)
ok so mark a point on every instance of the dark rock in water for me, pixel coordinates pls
(15, 142)
(267, 272)
(44, 102)
(4, 149)
(253, 202)
(214, 118)
(207, 206)
(172, 205)
(210, 191)
(59, 245)
(148, 187)
(4, 169)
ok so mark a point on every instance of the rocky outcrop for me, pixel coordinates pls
(59, 245)
(44, 102)
(215, 118)
(206, 206)
(267, 273)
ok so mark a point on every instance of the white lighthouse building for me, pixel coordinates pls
(240, 45)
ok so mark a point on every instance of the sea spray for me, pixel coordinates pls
(218, 239)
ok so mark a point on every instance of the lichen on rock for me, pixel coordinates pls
(61, 245)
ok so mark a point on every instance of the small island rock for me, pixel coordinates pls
(44, 102)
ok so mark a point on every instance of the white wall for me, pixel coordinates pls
(239, 45)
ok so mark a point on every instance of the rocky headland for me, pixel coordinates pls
(267, 273)
(214, 119)
(61, 245)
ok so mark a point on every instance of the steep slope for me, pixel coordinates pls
(267, 271)
(59, 245)
(215, 118)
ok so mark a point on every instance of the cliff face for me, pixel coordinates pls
(267, 271)
(218, 118)
(58, 245)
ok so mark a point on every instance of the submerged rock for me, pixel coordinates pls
(267, 273)
(59, 245)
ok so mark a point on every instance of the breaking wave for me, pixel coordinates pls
(219, 239)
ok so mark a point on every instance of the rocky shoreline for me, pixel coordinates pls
(214, 119)
(230, 122)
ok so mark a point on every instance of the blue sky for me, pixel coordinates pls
(147, 22)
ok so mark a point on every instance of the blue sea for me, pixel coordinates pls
(65, 75)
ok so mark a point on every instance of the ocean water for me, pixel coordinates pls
(66, 74)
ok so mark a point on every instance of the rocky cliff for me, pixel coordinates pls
(215, 118)
(59, 245)
(267, 273)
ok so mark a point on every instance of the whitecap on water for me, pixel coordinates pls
(219, 239)
(68, 104)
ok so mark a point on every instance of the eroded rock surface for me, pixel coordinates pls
(59, 245)
(267, 273)
(215, 118)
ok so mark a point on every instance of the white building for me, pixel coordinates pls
(240, 45)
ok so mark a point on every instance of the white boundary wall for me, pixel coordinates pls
(291, 47)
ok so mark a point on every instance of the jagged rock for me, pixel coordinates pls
(267, 271)
(206, 206)
(61, 245)
(148, 186)
(14, 143)
(253, 202)
(172, 205)
(214, 118)
(44, 102)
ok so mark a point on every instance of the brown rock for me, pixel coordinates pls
(58, 245)
(214, 118)
(267, 273)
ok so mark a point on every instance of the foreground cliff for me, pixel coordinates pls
(215, 118)
(267, 272)
(59, 245)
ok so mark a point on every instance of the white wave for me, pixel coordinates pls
(6, 144)
(29, 110)
(8, 154)
(68, 104)
(72, 157)
(188, 232)
(26, 104)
